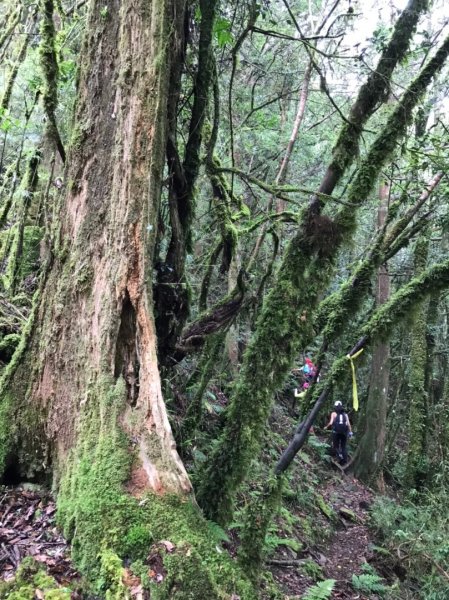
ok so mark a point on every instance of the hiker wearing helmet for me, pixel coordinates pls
(341, 428)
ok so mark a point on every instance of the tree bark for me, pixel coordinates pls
(417, 418)
(85, 400)
(370, 451)
(284, 320)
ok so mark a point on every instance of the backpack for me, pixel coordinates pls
(340, 424)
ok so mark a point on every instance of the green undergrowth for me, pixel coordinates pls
(108, 527)
(32, 582)
(294, 515)
(417, 533)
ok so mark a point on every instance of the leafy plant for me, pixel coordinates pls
(421, 531)
(222, 31)
(321, 591)
(321, 448)
(369, 583)
(273, 541)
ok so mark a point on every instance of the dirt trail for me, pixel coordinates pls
(350, 546)
(340, 556)
(27, 527)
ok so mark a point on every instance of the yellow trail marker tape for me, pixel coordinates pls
(355, 398)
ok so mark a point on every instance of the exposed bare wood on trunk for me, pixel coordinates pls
(282, 173)
(97, 307)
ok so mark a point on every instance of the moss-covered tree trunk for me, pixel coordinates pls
(417, 420)
(370, 452)
(83, 391)
(284, 322)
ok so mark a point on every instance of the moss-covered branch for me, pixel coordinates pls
(379, 327)
(11, 79)
(216, 318)
(285, 319)
(333, 311)
(49, 66)
(29, 188)
(371, 94)
(9, 24)
(211, 354)
(201, 96)
(210, 265)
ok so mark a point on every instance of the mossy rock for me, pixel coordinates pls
(325, 508)
(349, 515)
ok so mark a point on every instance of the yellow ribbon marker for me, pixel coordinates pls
(355, 398)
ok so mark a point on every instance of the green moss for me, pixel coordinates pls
(259, 514)
(23, 264)
(137, 541)
(48, 59)
(32, 237)
(12, 241)
(187, 578)
(325, 508)
(105, 522)
(312, 569)
(9, 404)
(29, 578)
(417, 396)
(206, 366)
(8, 345)
(284, 326)
(6, 427)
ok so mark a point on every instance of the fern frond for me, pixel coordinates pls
(321, 591)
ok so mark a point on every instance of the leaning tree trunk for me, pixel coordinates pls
(85, 402)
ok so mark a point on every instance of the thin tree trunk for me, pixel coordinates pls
(9, 85)
(417, 397)
(283, 169)
(282, 172)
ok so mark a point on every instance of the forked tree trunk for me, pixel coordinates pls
(86, 399)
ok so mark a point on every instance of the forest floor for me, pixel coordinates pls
(322, 532)
(27, 528)
(338, 556)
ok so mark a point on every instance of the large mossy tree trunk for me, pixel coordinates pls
(83, 391)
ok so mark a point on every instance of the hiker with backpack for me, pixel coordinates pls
(341, 428)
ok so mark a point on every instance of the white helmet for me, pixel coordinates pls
(337, 404)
